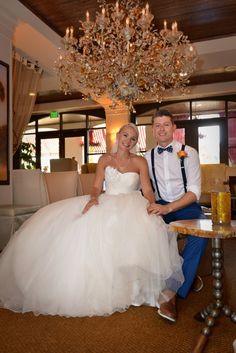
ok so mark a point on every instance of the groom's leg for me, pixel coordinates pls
(193, 250)
(194, 247)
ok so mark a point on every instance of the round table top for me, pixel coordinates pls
(204, 228)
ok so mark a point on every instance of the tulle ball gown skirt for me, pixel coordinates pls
(61, 262)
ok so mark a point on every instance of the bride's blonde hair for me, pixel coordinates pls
(134, 127)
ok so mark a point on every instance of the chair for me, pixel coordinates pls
(213, 179)
(62, 185)
(86, 182)
(88, 168)
(232, 188)
(63, 164)
(29, 194)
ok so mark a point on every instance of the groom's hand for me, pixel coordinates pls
(155, 208)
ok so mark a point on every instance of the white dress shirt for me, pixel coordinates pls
(168, 172)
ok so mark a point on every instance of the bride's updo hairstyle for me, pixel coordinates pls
(134, 127)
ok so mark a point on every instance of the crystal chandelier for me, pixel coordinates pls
(122, 56)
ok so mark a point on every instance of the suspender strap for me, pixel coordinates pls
(183, 170)
(153, 172)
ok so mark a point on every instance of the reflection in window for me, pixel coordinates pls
(97, 141)
(180, 110)
(232, 140)
(28, 151)
(208, 109)
(73, 121)
(209, 144)
(93, 158)
(49, 150)
(29, 138)
(48, 124)
(141, 145)
(206, 116)
(96, 122)
(74, 148)
(179, 135)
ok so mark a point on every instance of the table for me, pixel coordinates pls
(204, 228)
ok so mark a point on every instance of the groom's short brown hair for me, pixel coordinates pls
(162, 112)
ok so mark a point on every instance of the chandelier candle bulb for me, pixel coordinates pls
(71, 32)
(87, 16)
(117, 7)
(67, 35)
(174, 27)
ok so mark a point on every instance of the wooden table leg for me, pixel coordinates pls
(200, 345)
(213, 310)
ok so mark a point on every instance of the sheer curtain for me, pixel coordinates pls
(25, 78)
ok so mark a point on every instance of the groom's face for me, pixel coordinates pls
(163, 130)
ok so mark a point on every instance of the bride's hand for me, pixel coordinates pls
(93, 201)
(158, 209)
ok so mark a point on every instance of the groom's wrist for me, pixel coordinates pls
(169, 208)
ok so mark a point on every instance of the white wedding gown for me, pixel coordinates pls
(61, 262)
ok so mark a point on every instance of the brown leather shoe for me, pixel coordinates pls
(168, 310)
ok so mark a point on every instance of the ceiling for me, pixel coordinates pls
(201, 20)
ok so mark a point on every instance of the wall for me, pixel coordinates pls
(6, 30)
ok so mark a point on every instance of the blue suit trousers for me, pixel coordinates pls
(194, 247)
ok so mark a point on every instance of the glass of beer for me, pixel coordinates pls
(220, 207)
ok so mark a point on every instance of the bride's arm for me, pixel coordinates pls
(145, 180)
(97, 185)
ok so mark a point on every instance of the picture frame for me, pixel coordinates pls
(4, 123)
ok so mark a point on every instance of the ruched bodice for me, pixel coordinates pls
(120, 183)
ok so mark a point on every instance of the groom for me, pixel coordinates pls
(176, 177)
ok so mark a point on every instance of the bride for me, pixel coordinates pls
(94, 254)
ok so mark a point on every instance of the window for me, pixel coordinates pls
(74, 134)
(201, 124)
(208, 124)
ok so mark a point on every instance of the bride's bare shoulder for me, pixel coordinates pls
(105, 158)
(137, 158)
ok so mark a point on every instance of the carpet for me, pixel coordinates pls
(138, 330)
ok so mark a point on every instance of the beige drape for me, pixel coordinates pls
(25, 78)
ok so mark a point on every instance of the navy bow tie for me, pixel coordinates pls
(168, 149)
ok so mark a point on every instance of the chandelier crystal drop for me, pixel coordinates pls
(122, 56)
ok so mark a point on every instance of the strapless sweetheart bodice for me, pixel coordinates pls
(120, 183)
